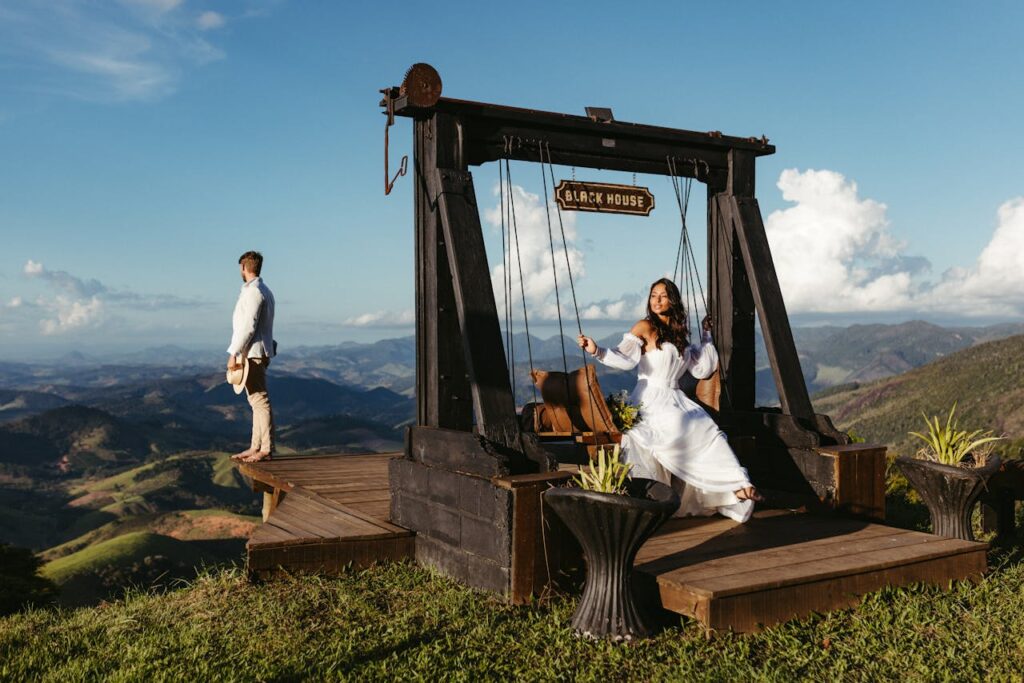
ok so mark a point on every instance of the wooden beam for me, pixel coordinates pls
(493, 404)
(778, 337)
(492, 117)
(732, 310)
(442, 384)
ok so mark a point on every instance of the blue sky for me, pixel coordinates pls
(144, 144)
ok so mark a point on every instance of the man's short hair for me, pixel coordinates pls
(252, 261)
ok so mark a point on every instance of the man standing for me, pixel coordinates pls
(252, 338)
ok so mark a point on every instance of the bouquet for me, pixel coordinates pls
(625, 415)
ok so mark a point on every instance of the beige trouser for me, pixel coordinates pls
(262, 414)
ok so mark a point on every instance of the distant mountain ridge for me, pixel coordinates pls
(986, 382)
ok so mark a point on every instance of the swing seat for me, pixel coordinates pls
(573, 407)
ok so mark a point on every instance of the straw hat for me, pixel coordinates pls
(237, 377)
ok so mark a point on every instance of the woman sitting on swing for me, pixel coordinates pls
(677, 443)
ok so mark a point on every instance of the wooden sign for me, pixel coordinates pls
(604, 198)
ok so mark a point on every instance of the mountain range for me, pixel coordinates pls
(118, 473)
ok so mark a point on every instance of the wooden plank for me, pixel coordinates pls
(827, 568)
(354, 511)
(525, 533)
(751, 611)
(493, 405)
(489, 119)
(732, 309)
(459, 451)
(764, 282)
(442, 387)
(515, 481)
(859, 478)
(331, 556)
(323, 517)
(870, 539)
(690, 548)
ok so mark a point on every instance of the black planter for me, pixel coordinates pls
(949, 492)
(611, 528)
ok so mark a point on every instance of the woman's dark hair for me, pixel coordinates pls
(674, 331)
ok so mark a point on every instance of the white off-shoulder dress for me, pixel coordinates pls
(676, 441)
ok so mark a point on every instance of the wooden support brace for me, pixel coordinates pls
(493, 404)
(764, 282)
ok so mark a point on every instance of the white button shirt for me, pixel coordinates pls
(252, 323)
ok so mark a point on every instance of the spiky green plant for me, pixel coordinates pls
(948, 444)
(607, 474)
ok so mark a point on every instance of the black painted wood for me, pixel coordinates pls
(764, 283)
(611, 528)
(732, 309)
(442, 384)
(493, 404)
(948, 492)
(488, 124)
(458, 451)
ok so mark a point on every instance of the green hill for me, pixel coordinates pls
(116, 551)
(986, 381)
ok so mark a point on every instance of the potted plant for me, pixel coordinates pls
(950, 472)
(611, 515)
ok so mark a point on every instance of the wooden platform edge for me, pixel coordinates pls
(330, 556)
(775, 605)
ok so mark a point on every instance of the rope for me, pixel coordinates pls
(572, 287)
(554, 270)
(522, 287)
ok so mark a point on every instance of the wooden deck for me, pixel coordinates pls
(782, 565)
(326, 512)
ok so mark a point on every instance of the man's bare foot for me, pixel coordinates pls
(257, 456)
(749, 493)
(244, 454)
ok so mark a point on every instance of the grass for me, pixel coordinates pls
(400, 622)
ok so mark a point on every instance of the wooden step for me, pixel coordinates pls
(310, 533)
(781, 566)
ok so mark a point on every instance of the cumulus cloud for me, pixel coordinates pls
(833, 250)
(994, 284)
(835, 253)
(383, 319)
(70, 314)
(130, 50)
(78, 302)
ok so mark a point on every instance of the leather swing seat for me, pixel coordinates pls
(574, 407)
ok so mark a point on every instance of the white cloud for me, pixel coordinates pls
(994, 285)
(834, 253)
(209, 20)
(383, 319)
(533, 252)
(628, 308)
(71, 314)
(133, 50)
(833, 250)
(78, 302)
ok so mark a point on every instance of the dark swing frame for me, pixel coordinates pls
(462, 381)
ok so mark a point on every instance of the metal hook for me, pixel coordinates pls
(389, 182)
